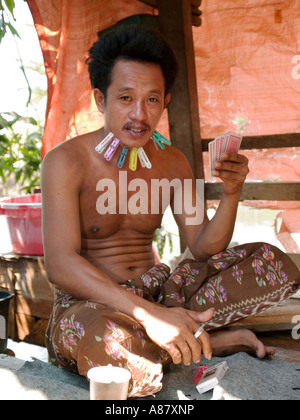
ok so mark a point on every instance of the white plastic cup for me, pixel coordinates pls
(108, 383)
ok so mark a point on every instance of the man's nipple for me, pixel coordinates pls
(94, 229)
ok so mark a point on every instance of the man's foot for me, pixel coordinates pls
(226, 343)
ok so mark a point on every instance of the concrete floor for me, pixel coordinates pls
(247, 379)
(25, 351)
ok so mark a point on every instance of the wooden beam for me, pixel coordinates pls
(262, 191)
(264, 142)
(176, 25)
(296, 259)
(275, 319)
(152, 3)
(195, 4)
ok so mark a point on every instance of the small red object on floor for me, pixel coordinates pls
(199, 373)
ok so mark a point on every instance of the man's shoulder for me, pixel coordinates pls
(178, 162)
(70, 152)
(176, 153)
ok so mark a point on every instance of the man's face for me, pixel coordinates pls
(135, 101)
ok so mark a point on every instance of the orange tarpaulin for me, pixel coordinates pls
(247, 70)
(244, 53)
(244, 57)
(244, 64)
(67, 29)
(247, 62)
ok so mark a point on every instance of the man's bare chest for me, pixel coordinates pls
(112, 201)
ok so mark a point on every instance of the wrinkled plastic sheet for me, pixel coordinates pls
(244, 53)
(246, 68)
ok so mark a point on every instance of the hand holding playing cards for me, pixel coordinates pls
(227, 164)
(233, 171)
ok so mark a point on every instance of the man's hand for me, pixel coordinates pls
(233, 171)
(173, 330)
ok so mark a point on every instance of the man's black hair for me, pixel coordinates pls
(133, 43)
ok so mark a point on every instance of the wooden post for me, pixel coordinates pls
(175, 17)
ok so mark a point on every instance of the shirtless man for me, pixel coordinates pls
(88, 255)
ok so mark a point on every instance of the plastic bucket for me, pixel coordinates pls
(4, 307)
(24, 218)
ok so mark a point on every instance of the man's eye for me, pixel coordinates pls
(153, 100)
(125, 98)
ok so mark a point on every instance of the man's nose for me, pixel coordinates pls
(138, 111)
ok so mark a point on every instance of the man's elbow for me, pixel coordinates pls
(52, 264)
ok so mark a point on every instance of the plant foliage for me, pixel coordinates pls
(161, 238)
(20, 137)
(6, 13)
(20, 150)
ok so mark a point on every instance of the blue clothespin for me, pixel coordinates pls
(122, 157)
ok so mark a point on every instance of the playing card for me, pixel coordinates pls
(229, 143)
(234, 142)
(211, 154)
(219, 142)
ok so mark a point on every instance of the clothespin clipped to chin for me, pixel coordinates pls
(161, 140)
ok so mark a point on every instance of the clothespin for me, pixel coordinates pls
(122, 157)
(161, 140)
(133, 159)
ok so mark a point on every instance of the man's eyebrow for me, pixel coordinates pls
(126, 89)
(157, 91)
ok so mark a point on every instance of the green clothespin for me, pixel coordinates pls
(161, 140)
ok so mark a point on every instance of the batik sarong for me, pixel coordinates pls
(237, 283)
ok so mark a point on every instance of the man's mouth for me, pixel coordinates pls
(137, 131)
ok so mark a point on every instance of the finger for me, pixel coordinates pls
(228, 176)
(228, 166)
(234, 157)
(225, 174)
(201, 317)
(175, 353)
(186, 353)
(204, 339)
(206, 345)
(201, 343)
(196, 349)
(232, 167)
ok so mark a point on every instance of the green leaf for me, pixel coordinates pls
(10, 4)
(13, 30)
(3, 122)
(2, 26)
(34, 136)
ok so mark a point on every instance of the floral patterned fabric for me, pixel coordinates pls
(238, 283)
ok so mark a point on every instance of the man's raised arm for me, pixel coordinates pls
(211, 237)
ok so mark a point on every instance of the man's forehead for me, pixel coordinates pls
(127, 73)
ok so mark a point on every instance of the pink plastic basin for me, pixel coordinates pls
(24, 217)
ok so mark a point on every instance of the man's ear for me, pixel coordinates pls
(167, 99)
(100, 100)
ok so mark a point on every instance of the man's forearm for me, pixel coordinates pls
(217, 233)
